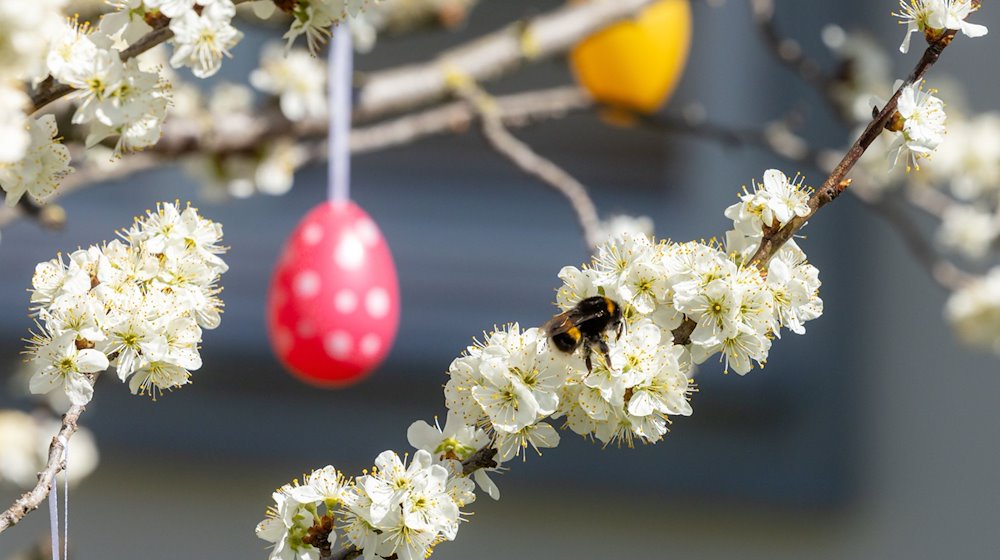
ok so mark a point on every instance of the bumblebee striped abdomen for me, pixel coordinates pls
(567, 341)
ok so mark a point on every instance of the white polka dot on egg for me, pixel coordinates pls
(377, 302)
(345, 302)
(338, 344)
(312, 234)
(366, 231)
(306, 284)
(350, 253)
(370, 344)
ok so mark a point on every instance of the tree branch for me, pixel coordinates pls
(941, 270)
(788, 51)
(399, 89)
(30, 500)
(488, 57)
(836, 182)
(528, 160)
(186, 136)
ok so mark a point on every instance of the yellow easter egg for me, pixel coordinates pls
(636, 64)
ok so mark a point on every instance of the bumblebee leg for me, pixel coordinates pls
(586, 354)
(618, 330)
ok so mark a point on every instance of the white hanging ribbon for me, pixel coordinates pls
(339, 72)
(65, 497)
(54, 517)
(54, 506)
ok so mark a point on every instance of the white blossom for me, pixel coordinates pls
(134, 111)
(400, 508)
(510, 379)
(275, 172)
(41, 168)
(13, 124)
(794, 287)
(968, 230)
(173, 8)
(921, 16)
(59, 363)
(287, 522)
(951, 14)
(297, 78)
(25, 28)
(619, 224)
(201, 40)
(24, 448)
(974, 312)
(314, 18)
(456, 441)
(772, 204)
(923, 125)
(969, 162)
(322, 485)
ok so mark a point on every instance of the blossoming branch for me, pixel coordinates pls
(682, 304)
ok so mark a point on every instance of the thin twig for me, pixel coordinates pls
(775, 137)
(489, 56)
(788, 51)
(528, 160)
(836, 183)
(943, 271)
(30, 500)
(398, 89)
(186, 136)
(932, 201)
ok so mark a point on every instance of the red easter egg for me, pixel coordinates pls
(333, 307)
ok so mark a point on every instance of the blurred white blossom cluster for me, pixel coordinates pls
(401, 16)
(229, 110)
(138, 304)
(125, 97)
(31, 159)
(681, 304)
(974, 312)
(24, 448)
(960, 184)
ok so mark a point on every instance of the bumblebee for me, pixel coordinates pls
(585, 325)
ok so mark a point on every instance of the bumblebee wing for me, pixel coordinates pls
(568, 320)
(559, 324)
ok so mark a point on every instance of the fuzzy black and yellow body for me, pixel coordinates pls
(584, 325)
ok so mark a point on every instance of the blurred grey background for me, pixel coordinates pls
(870, 437)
